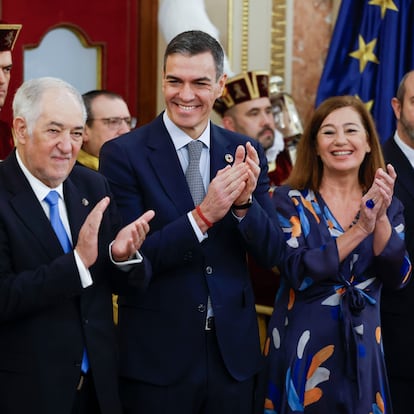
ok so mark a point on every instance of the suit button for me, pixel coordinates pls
(209, 270)
(85, 321)
(188, 256)
(201, 308)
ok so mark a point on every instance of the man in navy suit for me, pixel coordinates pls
(397, 307)
(57, 342)
(190, 343)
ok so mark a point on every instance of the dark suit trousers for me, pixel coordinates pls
(207, 389)
(401, 395)
(85, 400)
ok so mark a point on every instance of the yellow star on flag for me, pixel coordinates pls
(385, 5)
(367, 104)
(365, 53)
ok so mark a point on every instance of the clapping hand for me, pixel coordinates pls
(131, 237)
(378, 198)
(251, 158)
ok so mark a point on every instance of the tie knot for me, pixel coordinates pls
(194, 149)
(52, 198)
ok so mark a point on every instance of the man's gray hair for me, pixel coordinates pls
(27, 100)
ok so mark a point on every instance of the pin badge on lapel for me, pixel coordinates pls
(229, 158)
(85, 202)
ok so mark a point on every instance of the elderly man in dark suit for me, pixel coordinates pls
(190, 343)
(57, 346)
(397, 307)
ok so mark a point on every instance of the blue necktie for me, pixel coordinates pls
(53, 200)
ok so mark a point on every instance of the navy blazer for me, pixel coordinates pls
(46, 317)
(161, 329)
(397, 307)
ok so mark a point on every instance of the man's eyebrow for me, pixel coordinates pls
(202, 79)
(55, 123)
(60, 125)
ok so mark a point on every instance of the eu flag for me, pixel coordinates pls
(372, 47)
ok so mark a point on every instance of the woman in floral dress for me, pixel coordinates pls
(344, 235)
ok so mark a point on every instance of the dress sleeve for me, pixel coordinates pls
(311, 252)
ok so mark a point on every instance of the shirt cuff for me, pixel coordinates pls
(239, 219)
(197, 231)
(126, 265)
(84, 273)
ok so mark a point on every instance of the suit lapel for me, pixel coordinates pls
(219, 152)
(396, 157)
(28, 209)
(166, 165)
(76, 207)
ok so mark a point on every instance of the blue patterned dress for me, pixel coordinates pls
(324, 347)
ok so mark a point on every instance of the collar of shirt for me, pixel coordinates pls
(180, 139)
(41, 191)
(408, 151)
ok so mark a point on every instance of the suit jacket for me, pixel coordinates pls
(397, 307)
(162, 330)
(46, 317)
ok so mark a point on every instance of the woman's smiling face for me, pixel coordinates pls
(342, 141)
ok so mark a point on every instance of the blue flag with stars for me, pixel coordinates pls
(372, 47)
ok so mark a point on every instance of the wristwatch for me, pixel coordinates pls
(243, 206)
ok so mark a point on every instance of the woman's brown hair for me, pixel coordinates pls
(308, 169)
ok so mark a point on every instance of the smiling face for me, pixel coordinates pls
(190, 89)
(50, 151)
(342, 142)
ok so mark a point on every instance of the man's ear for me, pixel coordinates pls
(396, 107)
(20, 129)
(86, 135)
(228, 123)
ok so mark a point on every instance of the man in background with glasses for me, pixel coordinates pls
(108, 117)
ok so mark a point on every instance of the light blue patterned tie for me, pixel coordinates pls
(193, 175)
(53, 200)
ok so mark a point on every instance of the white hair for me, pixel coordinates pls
(27, 100)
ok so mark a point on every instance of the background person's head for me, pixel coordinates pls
(8, 36)
(245, 107)
(48, 119)
(403, 107)
(108, 117)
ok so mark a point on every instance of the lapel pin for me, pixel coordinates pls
(229, 158)
(85, 202)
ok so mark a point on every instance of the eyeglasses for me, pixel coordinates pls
(115, 123)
